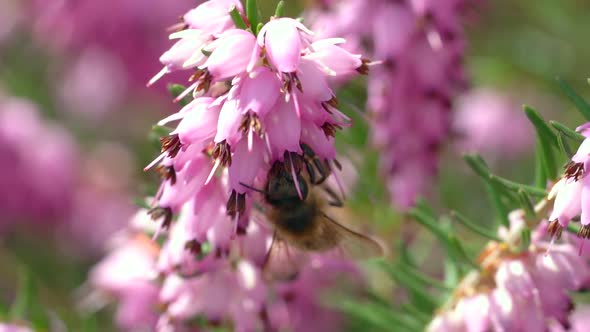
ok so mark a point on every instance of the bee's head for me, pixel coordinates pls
(281, 190)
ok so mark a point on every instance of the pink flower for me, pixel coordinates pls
(572, 192)
(478, 118)
(283, 39)
(7, 327)
(419, 46)
(529, 290)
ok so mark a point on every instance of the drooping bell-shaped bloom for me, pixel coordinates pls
(571, 193)
(419, 45)
(523, 289)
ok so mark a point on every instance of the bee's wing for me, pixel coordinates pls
(282, 260)
(354, 244)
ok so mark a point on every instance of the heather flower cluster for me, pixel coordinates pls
(195, 283)
(51, 184)
(421, 46)
(258, 99)
(516, 289)
(572, 192)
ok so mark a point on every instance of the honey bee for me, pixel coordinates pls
(298, 215)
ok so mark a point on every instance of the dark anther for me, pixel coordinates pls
(252, 121)
(584, 232)
(222, 150)
(363, 69)
(338, 164)
(333, 102)
(330, 129)
(171, 144)
(167, 172)
(291, 79)
(159, 212)
(194, 247)
(574, 170)
(555, 229)
(236, 204)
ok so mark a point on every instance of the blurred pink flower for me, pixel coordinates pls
(6, 327)
(420, 46)
(39, 178)
(481, 114)
(11, 15)
(126, 29)
(93, 84)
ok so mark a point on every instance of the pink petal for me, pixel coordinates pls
(231, 56)
(246, 164)
(283, 43)
(259, 92)
(229, 122)
(283, 129)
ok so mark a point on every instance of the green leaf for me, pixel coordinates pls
(237, 18)
(252, 14)
(540, 174)
(564, 146)
(416, 288)
(258, 28)
(455, 249)
(525, 239)
(175, 90)
(472, 226)
(382, 318)
(141, 203)
(543, 130)
(527, 204)
(547, 139)
(280, 10)
(24, 297)
(515, 187)
(429, 223)
(498, 204)
(565, 130)
(421, 277)
(580, 103)
(478, 165)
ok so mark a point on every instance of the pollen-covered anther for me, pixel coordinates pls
(584, 232)
(162, 212)
(555, 229)
(171, 144)
(252, 122)
(236, 204)
(330, 129)
(574, 170)
(167, 173)
(333, 102)
(222, 151)
(290, 79)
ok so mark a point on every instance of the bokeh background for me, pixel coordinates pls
(76, 118)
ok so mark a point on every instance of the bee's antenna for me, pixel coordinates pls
(252, 188)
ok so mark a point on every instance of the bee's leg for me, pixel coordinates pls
(336, 201)
(311, 172)
(268, 253)
(253, 188)
(322, 169)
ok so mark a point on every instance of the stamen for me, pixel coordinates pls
(222, 152)
(363, 69)
(156, 77)
(330, 129)
(574, 170)
(159, 212)
(186, 92)
(584, 232)
(167, 173)
(554, 229)
(171, 144)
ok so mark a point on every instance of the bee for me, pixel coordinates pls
(298, 214)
